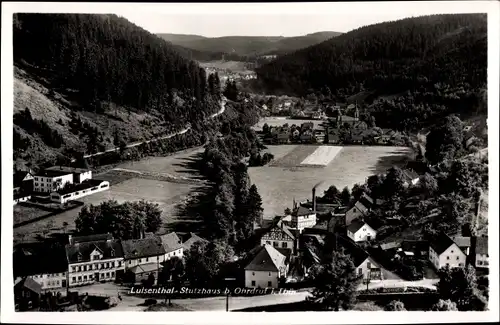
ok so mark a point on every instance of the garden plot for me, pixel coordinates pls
(295, 157)
(322, 156)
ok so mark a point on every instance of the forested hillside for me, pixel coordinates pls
(246, 46)
(94, 81)
(424, 66)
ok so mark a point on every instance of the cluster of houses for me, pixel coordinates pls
(60, 184)
(83, 260)
(305, 133)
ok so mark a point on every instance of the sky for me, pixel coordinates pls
(279, 19)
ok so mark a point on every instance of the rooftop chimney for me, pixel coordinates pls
(314, 199)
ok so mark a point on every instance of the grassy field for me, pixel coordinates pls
(280, 183)
(23, 213)
(279, 121)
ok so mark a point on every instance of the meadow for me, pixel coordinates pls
(285, 179)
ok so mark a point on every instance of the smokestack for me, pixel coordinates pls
(314, 196)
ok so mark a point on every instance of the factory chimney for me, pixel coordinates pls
(314, 197)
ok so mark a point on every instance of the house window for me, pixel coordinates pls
(269, 284)
(360, 271)
(458, 258)
(73, 279)
(460, 264)
(447, 257)
(253, 273)
(119, 263)
(79, 278)
(284, 245)
(452, 251)
(268, 242)
(84, 278)
(269, 273)
(369, 265)
(112, 253)
(147, 258)
(129, 262)
(139, 260)
(174, 255)
(112, 274)
(447, 264)
(275, 244)
(253, 283)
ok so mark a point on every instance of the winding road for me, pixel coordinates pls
(138, 143)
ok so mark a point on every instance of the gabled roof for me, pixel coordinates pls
(482, 245)
(171, 242)
(89, 238)
(145, 247)
(356, 225)
(302, 211)
(39, 258)
(410, 174)
(144, 268)
(357, 254)
(193, 239)
(461, 241)
(267, 259)
(441, 243)
(109, 248)
(366, 200)
(30, 284)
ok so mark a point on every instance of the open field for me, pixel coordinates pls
(23, 213)
(323, 155)
(278, 186)
(279, 121)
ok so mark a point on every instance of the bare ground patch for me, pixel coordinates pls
(295, 157)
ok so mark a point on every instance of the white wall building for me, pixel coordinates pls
(443, 251)
(360, 231)
(88, 187)
(266, 269)
(95, 258)
(172, 245)
(49, 181)
(482, 255)
(79, 174)
(303, 218)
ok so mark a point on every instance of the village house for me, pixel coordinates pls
(94, 258)
(48, 181)
(279, 235)
(45, 263)
(26, 293)
(410, 177)
(463, 242)
(79, 174)
(303, 217)
(366, 267)
(307, 137)
(143, 258)
(482, 256)
(443, 251)
(361, 208)
(266, 269)
(359, 230)
(173, 245)
(189, 242)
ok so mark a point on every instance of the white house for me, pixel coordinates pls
(266, 268)
(44, 263)
(51, 180)
(172, 245)
(482, 256)
(279, 236)
(360, 209)
(366, 267)
(443, 251)
(94, 258)
(76, 191)
(302, 218)
(143, 257)
(359, 230)
(79, 174)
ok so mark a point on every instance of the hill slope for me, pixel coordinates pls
(439, 59)
(247, 45)
(97, 81)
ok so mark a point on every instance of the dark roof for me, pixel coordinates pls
(145, 268)
(52, 173)
(30, 284)
(171, 242)
(461, 241)
(267, 259)
(355, 225)
(301, 211)
(193, 239)
(145, 247)
(279, 224)
(67, 169)
(108, 248)
(482, 245)
(39, 258)
(415, 245)
(86, 184)
(366, 201)
(357, 254)
(441, 243)
(83, 239)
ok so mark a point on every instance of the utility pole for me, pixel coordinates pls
(228, 293)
